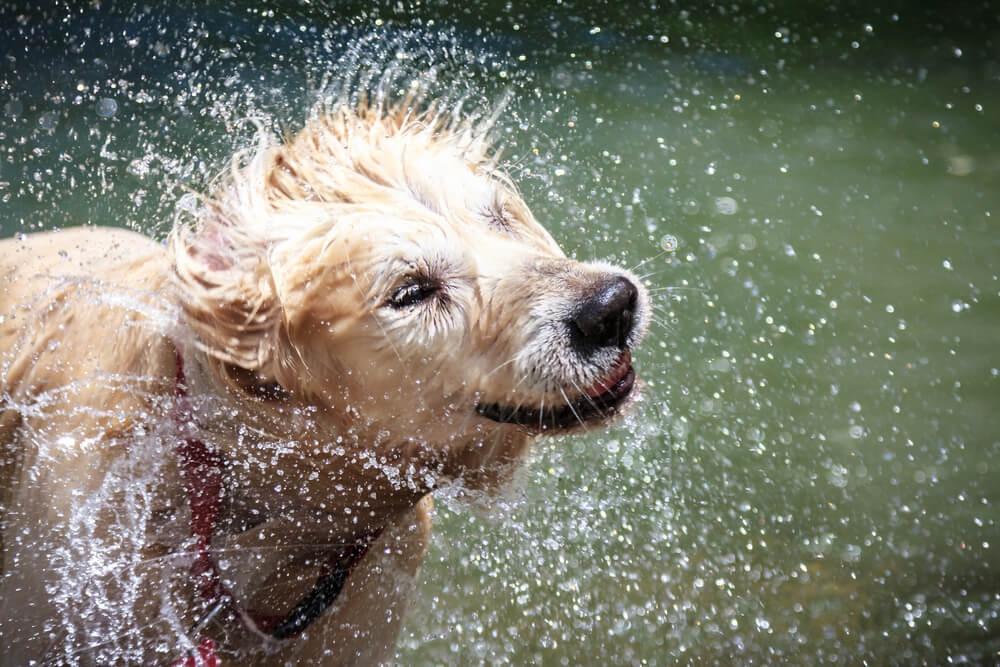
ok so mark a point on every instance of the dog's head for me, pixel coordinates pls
(380, 267)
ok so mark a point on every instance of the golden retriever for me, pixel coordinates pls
(222, 447)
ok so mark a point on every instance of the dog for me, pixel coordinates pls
(222, 447)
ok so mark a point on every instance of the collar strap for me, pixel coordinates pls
(202, 471)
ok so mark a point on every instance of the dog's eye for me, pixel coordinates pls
(413, 293)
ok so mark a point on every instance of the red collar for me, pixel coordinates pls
(202, 470)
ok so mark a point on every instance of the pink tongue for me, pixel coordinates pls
(612, 378)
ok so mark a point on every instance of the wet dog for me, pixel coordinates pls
(232, 437)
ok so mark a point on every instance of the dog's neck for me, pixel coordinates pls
(269, 533)
(320, 479)
(325, 480)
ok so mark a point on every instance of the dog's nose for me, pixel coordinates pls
(605, 316)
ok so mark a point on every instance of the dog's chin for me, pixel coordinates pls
(599, 403)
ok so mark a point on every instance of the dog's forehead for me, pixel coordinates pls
(431, 215)
(456, 242)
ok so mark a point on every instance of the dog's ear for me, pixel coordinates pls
(226, 291)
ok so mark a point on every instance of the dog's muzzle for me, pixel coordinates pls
(604, 321)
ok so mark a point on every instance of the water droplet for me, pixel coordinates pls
(958, 306)
(691, 207)
(187, 202)
(48, 120)
(721, 365)
(668, 242)
(139, 167)
(106, 107)
(726, 205)
(838, 476)
(852, 552)
(747, 242)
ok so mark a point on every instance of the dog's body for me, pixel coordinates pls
(357, 317)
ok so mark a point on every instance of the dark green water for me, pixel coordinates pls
(812, 474)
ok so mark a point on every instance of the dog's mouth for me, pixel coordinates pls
(599, 401)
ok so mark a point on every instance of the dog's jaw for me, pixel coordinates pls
(598, 403)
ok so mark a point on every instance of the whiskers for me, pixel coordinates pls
(501, 365)
(651, 258)
(569, 403)
(676, 289)
(660, 298)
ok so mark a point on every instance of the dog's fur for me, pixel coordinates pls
(342, 307)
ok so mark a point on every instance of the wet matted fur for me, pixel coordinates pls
(358, 315)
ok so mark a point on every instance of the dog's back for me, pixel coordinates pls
(56, 312)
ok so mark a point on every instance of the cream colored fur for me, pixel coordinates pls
(336, 412)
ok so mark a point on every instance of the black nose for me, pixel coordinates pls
(604, 318)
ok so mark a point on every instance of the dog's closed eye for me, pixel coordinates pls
(413, 291)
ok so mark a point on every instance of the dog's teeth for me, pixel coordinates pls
(616, 374)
